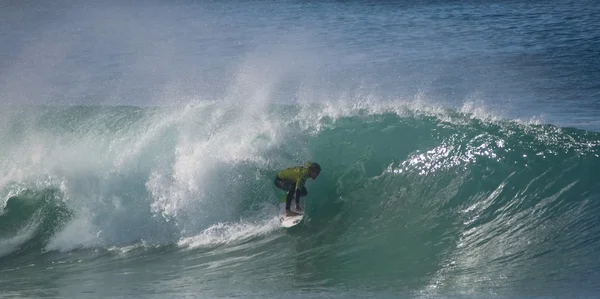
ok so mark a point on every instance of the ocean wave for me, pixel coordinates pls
(463, 193)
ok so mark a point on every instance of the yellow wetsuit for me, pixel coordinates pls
(291, 180)
(295, 174)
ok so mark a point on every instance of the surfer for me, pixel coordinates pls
(292, 180)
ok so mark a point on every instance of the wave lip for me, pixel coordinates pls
(30, 219)
(12, 244)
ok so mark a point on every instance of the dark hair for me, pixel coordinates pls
(315, 166)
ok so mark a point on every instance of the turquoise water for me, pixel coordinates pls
(411, 202)
(459, 145)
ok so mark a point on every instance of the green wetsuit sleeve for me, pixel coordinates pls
(302, 175)
(299, 183)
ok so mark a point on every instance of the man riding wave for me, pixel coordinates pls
(292, 180)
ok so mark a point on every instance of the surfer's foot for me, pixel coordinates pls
(289, 213)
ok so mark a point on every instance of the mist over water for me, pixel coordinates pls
(515, 59)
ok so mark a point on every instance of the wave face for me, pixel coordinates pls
(412, 198)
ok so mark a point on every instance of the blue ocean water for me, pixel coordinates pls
(459, 142)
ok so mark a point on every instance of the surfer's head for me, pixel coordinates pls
(313, 170)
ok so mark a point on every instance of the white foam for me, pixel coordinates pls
(78, 233)
(226, 136)
(121, 250)
(314, 114)
(226, 233)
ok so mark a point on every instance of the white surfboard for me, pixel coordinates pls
(288, 221)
